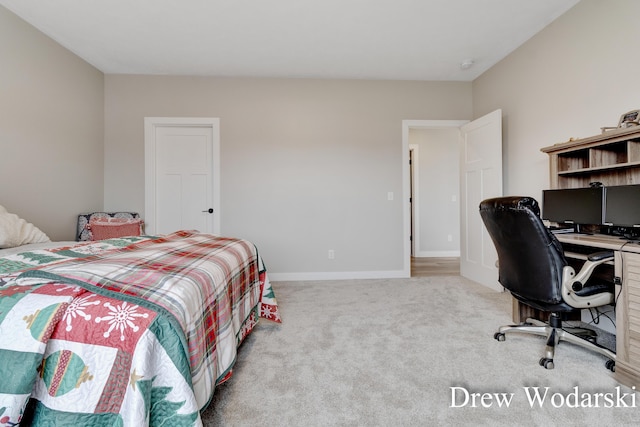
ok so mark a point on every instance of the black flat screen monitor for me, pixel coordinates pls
(574, 205)
(622, 206)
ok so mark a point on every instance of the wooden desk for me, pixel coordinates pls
(612, 158)
(628, 315)
(596, 241)
(626, 276)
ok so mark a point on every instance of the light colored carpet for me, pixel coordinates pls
(389, 352)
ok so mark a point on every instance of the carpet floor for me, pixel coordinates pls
(409, 352)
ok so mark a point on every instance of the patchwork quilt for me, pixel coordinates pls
(128, 331)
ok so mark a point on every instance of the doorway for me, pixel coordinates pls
(422, 254)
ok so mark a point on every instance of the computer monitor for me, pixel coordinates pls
(622, 206)
(574, 205)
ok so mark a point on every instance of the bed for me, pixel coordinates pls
(135, 330)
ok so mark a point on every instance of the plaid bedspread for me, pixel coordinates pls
(135, 335)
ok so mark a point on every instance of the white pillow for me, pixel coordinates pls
(15, 231)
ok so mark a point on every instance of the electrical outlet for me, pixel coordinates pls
(331, 254)
(450, 238)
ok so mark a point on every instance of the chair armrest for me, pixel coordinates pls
(572, 282)
(599, 256)
(593, 260)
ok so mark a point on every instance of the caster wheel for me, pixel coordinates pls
(499, 336)
(610, 365)
(546, 363)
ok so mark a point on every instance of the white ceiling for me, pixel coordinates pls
(363, 39)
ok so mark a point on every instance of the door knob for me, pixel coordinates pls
(210, 210)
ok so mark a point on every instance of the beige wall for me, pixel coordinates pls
(306, 164)
(51, 130)
(577, 75)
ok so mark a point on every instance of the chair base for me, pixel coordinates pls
(556, 333)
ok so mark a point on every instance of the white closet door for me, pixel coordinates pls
(182, 175)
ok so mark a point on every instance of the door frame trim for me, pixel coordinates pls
(406, 177)
(150, 126)
(414, 191)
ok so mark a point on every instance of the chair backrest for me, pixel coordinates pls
(530, 258)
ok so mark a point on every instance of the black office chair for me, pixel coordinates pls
(532, 266)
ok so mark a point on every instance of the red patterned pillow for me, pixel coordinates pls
(108, 228)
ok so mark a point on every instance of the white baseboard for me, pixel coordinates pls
(338, 275)
(437, 254)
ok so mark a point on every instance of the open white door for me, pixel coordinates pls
(481, 178)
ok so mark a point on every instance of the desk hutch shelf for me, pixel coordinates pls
(612, 158)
